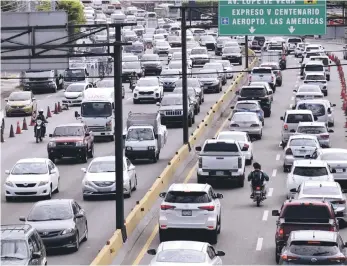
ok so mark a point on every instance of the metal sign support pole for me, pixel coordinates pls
(184, 76)
(246, 51)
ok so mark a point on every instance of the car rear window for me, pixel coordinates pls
(314, 248)
(221, 147)
(246, 106)
(317, 109)
(310, 171)
(261, 71)
(324, 60)
(187, 197)
(294, 40)
(312, 130)
(303, 142)
(253, 92)
(324, 190)
(336, 156)
(296, 118)
(312, 68)
(307, 211)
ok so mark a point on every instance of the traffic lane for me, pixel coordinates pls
(71, 187)
(240, 215)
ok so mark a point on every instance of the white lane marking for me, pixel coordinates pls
(274, 172)
(259, 244)
(270, 192)
(278, 157)
(292, 98)
(280, 145)
(291, 106)
(265, 215)
(49, 96)
(130, 98)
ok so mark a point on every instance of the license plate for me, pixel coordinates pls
(302, 152)
(339, 170)
(220, 173)
(186, 213)
(205, 87)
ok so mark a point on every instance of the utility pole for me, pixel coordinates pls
(184, 76)
(246, 51)
(118, 119)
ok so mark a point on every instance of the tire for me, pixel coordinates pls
(241, 181)
(155, 159)
(330, 124)
(248, 161)
(193, 119)
(85, 197)
(260, 136)
(49, 196)
(135, 101)
(163, 235)
(84, 157)
(85, 238)
(54, 90)
(9, 199)
(213, 237)
(135, 186)
(112, 138)
(277, 255)
(258, 202)
(325, 93)
(91, 152)
(77, 245)
(220, 224)
(190, 121)
(51, 158)
(57, 189)
(129, 194)
(280, 83)
(328, 78)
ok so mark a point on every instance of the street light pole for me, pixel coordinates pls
(184, 76)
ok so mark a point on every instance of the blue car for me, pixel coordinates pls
(249, 106)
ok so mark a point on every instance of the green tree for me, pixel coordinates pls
(7, 6)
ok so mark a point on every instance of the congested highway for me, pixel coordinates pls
(100, 213)
(247, 229)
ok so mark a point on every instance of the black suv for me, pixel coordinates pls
(21, 245)
(258, 93)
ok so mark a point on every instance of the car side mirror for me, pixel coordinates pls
(333, 105)
(53, 171)
(7, 172)
(270, 92)
(293, 190)
(84, 170)
(232, 107)
(315, 118)
(237, 92)
(275, 213)
(331, 131)
(302, 78)
(156, 136)
(162, 194)
(339, 214)
(198, 148)
(282, 118)
(6, 100)
(34, 99)
(244, 149)
(22, 218)
(50, 135)
(79, 215)
(151, 252)
(157, 104)
(36, 255)
(77, 114)
(292, 131)
(220, 253)
(219, 196)
(295, 91)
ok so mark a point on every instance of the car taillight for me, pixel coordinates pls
(254, 125)
(167, 207)
(285, 126)
(332, 229)
(288, 258)
(289, 151)
(272, 79)
(200, 162)
(239, 161)
(257, 188)
(324, 136)
(207, 208)
(338, 259)
(246, 146)
(234, 125)
(280, 232)
(341, 202)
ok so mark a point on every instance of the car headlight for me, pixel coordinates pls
(128, 148)
(79, 143)
(68, 231)
(9, 183)
(43, 183)
(51, 144)
(156, 89)
(151, 148)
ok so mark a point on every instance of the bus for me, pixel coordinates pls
(109, 6)
(164, 11)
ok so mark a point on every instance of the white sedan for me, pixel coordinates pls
(185, 252)
(32, 177)
(243, 139)
(306, 170)
(99, 178)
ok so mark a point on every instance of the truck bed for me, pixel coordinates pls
(305, 224)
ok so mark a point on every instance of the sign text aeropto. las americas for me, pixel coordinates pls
(272, 17)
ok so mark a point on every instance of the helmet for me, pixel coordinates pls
(257, 166)
(41, 111)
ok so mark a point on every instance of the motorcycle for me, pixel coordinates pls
(258, 195)
(133, 81)
(38, 132)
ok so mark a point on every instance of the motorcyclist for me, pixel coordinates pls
(41, 117)
(257, 178)
(133, 79)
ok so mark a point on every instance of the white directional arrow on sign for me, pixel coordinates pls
(252, 29)
(291, 29)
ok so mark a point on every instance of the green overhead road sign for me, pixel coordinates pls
(272, 17)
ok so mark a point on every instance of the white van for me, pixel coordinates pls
(97, 111)
(321, 109)
(313, 67)
(325, 61)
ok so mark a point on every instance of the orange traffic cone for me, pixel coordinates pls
(48, 112)
(32, 122)
(25, 126)
(11, 132)
(59, 108)
(18, 131)
(55, 109)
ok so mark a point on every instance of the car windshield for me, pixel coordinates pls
(311, 130)
(324, 60)
(249, 117)
(198, 51)
(310, 171)
(221, 147)
(253, 92)
(336, 156)
(68, 131)
(102, 167)
(210, 75)
(187, 197)
(132, 65)
(147, 82)
(167, 101)
(19, 96)
(191, 92)
(140, 134)
(150, 57)
(310, 48)
(74, 75)
(261, 71)
(96, 109)
(105, 83)
(303, 143)
(15, 249)
(30, 168)
(75, 88)
(181, 256)
(315, 77)
(317, 109)
(50, 212)
(170, 73)
(314, 248)
(236, 137)
(321, 190)
(230, 50)
(296, 118)
(247, 106)
(191, 82)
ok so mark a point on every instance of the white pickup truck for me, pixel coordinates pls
(221, 160)
(264, 74)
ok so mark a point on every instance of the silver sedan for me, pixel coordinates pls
(247, 122)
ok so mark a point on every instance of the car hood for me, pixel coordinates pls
(19, 103)
(202, 80)
(232, 54)
(14, 262)
(52, 225)
(100, 177)
(72, 93)
(128, 70)
(67, 139)
(150, 63)
(168, 79)
(198, 56)
(152, 88)
(171, 107)
(27, 178)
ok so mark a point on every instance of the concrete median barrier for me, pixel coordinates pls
(111, 249)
